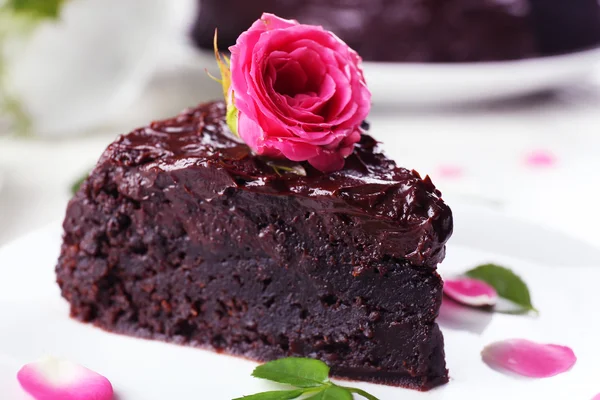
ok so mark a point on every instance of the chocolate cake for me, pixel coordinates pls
(182, 234)
(423, 30)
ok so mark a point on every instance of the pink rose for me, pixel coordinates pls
(299, 91)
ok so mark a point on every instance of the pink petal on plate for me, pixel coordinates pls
(528, 358)
(471, 292)
(450, 171)
(540, 158)
(53, 379)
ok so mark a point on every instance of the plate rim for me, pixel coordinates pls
(584, 53)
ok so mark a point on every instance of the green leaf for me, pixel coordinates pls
(508, 285)
(332, 393)
(282, 169)
(362, 393)
(309, 374)
(276, 395)
(77, 184)
(36, 8)
(299, 372)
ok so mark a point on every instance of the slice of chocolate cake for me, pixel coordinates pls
(182, 234)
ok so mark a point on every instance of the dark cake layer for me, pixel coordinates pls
(181, 234)
(422, 30)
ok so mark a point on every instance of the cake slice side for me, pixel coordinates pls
(181, 235)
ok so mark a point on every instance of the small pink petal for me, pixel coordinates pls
(540, 158)
(471, 292)
(596, 397)
(53, 379)
(528, 358)
(450, 171)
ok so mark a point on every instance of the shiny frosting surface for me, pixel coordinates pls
(402, 213)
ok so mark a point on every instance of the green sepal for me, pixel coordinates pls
(232, 116)
(224, 64)
(280, 170)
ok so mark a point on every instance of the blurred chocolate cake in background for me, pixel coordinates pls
(422, 30)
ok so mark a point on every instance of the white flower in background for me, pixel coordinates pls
(81, 66)
(18, 18)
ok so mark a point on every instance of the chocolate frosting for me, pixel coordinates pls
(400, 212)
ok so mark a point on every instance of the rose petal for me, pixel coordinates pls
(294, 151)
(471, 292)
(312, 65)
(252, 134)
(340, 100)
(290, 79)
(272, 21)
(528, 358)
(352, 114)
(327, 161)
(53, 379)
(596, 397)
(540, 158)
(450, 171)
(300, 92)
(308, 102)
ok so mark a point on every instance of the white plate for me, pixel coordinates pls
(35, 322)
(446, 84)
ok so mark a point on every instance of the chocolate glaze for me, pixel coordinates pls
(182, 234)
(389, 201)
(422, 30)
